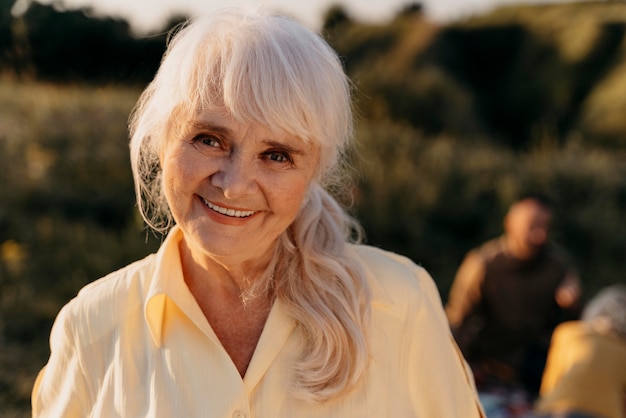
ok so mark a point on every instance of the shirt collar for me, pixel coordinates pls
(167, 282)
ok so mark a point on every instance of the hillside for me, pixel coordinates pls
(512, 75)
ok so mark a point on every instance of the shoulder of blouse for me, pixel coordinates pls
(396, 282)
(104, 304)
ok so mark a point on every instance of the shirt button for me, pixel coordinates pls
(239, 414)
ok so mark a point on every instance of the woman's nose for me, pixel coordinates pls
(235, 177)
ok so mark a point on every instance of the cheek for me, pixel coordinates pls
(177, 174)
(170, 173)
(294, 197)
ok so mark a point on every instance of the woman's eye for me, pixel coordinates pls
(211, 141)
(278, 157)
(203, 140)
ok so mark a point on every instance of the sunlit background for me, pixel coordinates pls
(147, 15)
(462, 105)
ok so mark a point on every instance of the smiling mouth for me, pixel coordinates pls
(228, 212)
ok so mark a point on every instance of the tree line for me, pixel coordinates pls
(45, 43)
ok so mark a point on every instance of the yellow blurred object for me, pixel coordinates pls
(13, 255)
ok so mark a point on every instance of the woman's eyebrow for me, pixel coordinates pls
(285, 147)
(209, 126)
(201, 126)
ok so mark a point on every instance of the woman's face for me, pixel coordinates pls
(234, 188)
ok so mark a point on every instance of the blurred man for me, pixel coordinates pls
(507, 297)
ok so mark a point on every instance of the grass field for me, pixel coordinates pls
(67, 211)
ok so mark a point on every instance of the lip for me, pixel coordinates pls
(226, 211)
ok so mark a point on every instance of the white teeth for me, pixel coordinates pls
(229, 212)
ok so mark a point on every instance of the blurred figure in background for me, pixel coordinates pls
(585, 376)
(506, 299)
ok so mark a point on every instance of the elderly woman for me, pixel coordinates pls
(585, 375)
(256, 304)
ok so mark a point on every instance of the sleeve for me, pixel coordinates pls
(61, 389)
(569, 291)
(441, 380)
(465, 292)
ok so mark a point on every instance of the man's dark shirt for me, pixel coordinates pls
(502, 310)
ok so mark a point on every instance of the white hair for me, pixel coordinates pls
(608, 307)
(273, 71)
(265, 69)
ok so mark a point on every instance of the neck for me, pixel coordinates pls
(520, 251)
(221, 276)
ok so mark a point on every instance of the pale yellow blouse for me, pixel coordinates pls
(136, 344)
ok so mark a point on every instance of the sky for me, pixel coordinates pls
(146, 15)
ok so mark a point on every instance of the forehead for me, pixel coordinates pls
(530, 211)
